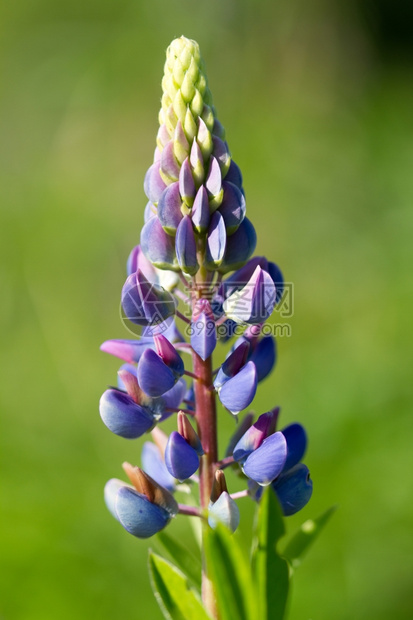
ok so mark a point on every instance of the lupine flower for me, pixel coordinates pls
(269, 457)
(159, 370)
(144, 508)
(183, 450)
(196, 251)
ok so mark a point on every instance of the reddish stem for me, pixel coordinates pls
(205, 415)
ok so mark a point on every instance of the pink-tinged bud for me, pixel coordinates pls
(187, 431)
(169, 169)
(169, 208)
(154, 184)
(255, 435)
(169, 354)
(158, 246)
(162, 138)
(219, 485)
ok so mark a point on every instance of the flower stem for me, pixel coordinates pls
(205, 416)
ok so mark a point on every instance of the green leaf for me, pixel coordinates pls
(184, 559)
(300, 542)
(230, 573)
(270, 570)
(177, 600)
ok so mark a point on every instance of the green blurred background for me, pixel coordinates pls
(317, 101)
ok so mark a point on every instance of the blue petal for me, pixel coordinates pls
(254, 436)
(267, 462)
(144, 302)
(111, 490)
(138, 515)
(234, 175)
(238, 393)
(264, 356)
(240, 246)
(294, 489)
(181, 459)
(185, 246)
(123, 416)
(203, 336)
(173, 397)
(296, 438)
(154, 465)
(278, 279)
(154, 376)
(232, 207)
(233, 364)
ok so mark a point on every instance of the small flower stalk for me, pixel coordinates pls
(192, 273)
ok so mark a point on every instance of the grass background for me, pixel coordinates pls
(316, 99)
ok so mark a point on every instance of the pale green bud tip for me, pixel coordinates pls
(185, 88)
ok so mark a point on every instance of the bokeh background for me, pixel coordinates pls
(317, 101)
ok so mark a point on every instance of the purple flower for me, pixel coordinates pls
(142, 509)
(123, 416)
(159, 370)
(269, 457)
(144, 302)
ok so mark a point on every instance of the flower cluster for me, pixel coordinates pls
(195, 234)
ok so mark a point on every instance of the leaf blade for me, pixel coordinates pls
(231, 575)
(176, 598)
(300, 542)
(270, 570)
(186, 561)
